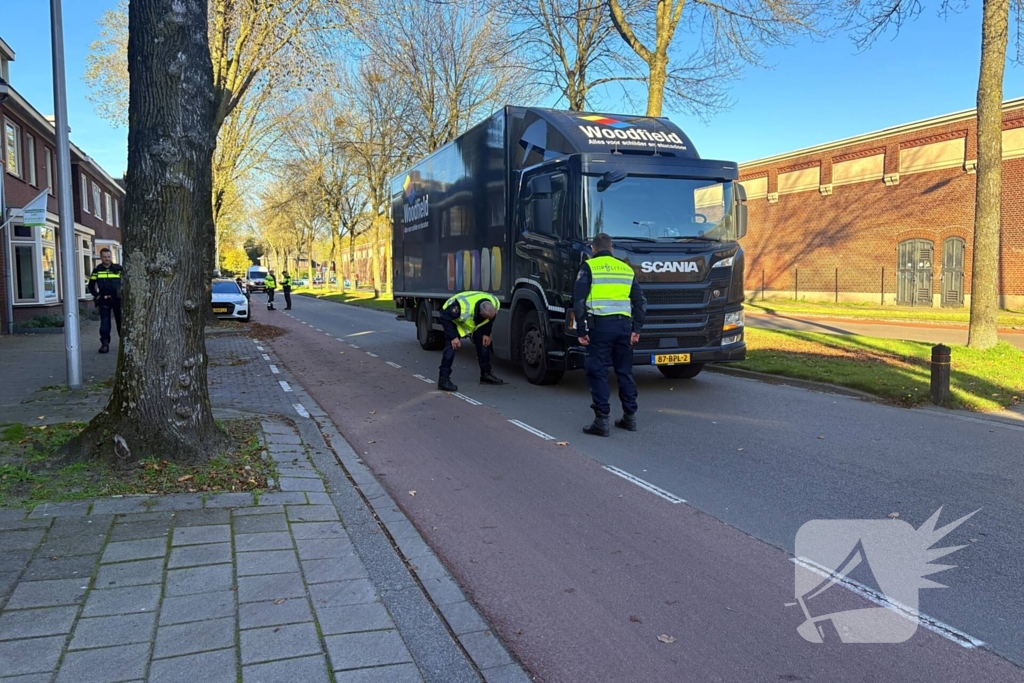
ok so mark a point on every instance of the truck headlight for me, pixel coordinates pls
(732, 339)
(733, 321)
(724, 263)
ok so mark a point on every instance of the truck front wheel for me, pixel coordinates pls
(681, 371)
(429, 339)
(533, 352)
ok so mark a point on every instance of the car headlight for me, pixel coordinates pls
(733, 321)
(724, 263)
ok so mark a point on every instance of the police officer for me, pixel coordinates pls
(469, 314)
(105, 287)
(270, 284)
(286, 288)
(610, 308)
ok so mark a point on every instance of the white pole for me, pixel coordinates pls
(65, 207)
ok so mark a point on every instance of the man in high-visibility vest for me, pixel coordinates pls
(270, 284)
(609, 310)
(105, 287)
(469, 314)
(286, 289)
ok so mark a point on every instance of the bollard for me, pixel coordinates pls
(940, 374)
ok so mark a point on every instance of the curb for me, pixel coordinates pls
(346, 303)
(924, 324)
(791, 381)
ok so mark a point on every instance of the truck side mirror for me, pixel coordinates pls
(543, 220)
(540, 184)
(741, 192)
(741, 221)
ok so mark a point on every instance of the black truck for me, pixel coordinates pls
(509, 207)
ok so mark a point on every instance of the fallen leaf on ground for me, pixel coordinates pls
(893, 515)
(412, 493)
(562, 443)
(666, 639)
(185, 478)
(371, 442)
(820, 437)
(41, 417)
(280, 601)
(739, 449)
(373, 412)
(635, 619)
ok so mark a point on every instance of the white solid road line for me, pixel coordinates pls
(645, 485)
(300, 409)
(273, 369)
(532, 430)
(467, 399)
(932, 624)
(394, 365)
(284, 385)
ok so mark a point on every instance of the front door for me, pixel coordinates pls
(914, 287)
(953, 251)
(543, 249)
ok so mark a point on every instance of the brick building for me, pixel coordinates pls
(886, 217)
(30, 257)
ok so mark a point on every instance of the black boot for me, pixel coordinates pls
(628, 422)
(446, 384)
(489, 378)
(599, 426)
(105, 348)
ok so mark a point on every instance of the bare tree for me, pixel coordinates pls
(724, 35)
(160, 406)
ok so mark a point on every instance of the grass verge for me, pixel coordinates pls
(28, 476)
(895, 370)
(1008, 319)
(365, 299)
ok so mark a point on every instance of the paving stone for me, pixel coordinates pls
(272, 540)
(270, 587)
(38, 655)
(266, 562)
(355, 592)
(485, 649)
(304, 669)
(510, 673)
(255, 524)
(299, 484)
(74, 567)
(107, 665)
(230, 500)
(201, 517)
(390, 513)
(10, 516)
(186, 608)
(73, 509)
(121, 506)
(32, 623)
(279, 642)
(312, 513)
(298, 471)
(310, 530)
(208, 579)
(319, 498)
(373, 648)
(178, 501)
(220, 666)
(353, 618)
(63, 546)
(30, 594)
(336, 569)
(197, 636)
(135, 573)
(443, 590)
(197, 555)
(279, 439)
(124, 551)
(130, 600)
(429, 567)
(108, 631)
(197, 535)
(413, 546)
(30, 678)
(274, 612)
(283, 498)
(138, 529)
(462, 617)
(261, 510)
(402, 529)
(14, 560)
(324, 548)
(7, 582)
(398, 673)
(26, 539)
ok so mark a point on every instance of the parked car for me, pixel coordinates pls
(229, 302)
(256, 279)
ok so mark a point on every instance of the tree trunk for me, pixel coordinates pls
(160, 406)
(375, 256)
(656, 84)
(309, 251)
(987, 211)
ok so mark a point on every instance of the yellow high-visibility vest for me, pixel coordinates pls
(466, 322)
(611, 281)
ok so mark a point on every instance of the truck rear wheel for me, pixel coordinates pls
(430, 340)
(681, 371)
(533, 352)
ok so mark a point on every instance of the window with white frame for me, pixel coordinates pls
(25, 272)
(12, 147)
(85, 193)
(48, 162)
(97, 207)
(117, 214)
(84, 258)
(30, 159)
(110, 213)
(48, 252)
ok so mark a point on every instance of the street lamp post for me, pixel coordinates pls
(67, 221)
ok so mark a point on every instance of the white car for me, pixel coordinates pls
(229, 302)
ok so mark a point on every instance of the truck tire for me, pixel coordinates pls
(533, 353)
(681, 371)
(430, 340)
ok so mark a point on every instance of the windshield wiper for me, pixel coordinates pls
(634, 238)
(698, 238)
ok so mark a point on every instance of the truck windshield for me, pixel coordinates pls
(662, 209)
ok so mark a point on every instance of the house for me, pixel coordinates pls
(30, 257)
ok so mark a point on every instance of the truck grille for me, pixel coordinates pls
(661, 297)
(654, 343)
(657, 318)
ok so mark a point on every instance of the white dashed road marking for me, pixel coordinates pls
(372, 355)
(467, 399)
(300, 410)
(273, 369)
(645, 485)
(284, 385)
(532, 430)
(394, 365)
(428, 381)
(266, 357)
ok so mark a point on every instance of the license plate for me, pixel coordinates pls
(672, 359)
(220, 310)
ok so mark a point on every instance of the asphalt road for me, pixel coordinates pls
(581, 571)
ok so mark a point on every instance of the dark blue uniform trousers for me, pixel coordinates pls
(483, 355)
(609, 346)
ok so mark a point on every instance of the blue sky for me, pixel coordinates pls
(816, 91)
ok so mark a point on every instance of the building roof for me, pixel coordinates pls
(933, 122)
(6, 51)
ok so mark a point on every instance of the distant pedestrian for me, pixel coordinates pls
(609, 309)
(105, 288)
(286, 288)
(270, 284)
